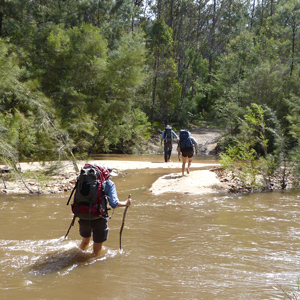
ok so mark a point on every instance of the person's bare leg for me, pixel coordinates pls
(183, 164)
(97, 248)
(189, 164)
(84, 243)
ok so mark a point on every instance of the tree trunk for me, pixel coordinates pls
(262, 13)
(252, 15)
(293, 49)
(272, 4)
(212, 46)
(159, 9)
(167, 101)
(1, 21)
(171, 13)
(156, 64)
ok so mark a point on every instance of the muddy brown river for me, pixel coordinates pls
(174, 246)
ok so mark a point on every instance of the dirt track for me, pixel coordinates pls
(206, 139)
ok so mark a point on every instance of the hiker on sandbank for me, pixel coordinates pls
(186, 146)
(167, 136)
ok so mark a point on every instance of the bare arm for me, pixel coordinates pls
(125, 203)
(195, 145)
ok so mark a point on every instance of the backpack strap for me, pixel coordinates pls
(72, 192)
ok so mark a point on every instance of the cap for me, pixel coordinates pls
(112, 172)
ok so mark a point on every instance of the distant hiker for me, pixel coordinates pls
(93, 191)
(186, 147)
(167, 136)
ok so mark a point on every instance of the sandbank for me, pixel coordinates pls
(200, 180)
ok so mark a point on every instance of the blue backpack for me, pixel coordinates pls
(185, 139)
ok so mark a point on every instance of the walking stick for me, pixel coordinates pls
(123, 222)
(73, 220)
(72, 224)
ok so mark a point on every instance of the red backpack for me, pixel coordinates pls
(89, 199)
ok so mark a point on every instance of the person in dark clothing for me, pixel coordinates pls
(167, 136)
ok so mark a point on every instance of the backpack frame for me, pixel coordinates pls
(89, 199)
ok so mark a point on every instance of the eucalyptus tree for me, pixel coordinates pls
(28, 126)
(9, 73)
(278, 42)
(214, 24)
(120, 122)
(233, 68)
(95, 91)
(294, 125)
(293, 117)
(284, 26)
(164, 84)
(200, 32)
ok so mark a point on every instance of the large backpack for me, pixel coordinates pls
(89, 199)
(185, 139)
(168, 134)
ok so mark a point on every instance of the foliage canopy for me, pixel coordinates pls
(87, 77)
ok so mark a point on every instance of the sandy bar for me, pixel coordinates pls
(195, 183)
(116, 164)
(199, 181)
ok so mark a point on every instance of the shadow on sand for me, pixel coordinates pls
(172, 176)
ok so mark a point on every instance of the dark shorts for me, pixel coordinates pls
(187, 152)
(98, 227)
(168, 146)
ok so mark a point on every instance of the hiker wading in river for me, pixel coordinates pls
(93, 191)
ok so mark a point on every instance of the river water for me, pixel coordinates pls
(173, 246)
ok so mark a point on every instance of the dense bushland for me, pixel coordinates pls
(86, 77)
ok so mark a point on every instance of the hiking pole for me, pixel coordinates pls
(123, 222)
(72, 224)
(73, 220)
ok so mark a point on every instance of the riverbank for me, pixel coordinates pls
(38, 178)
(200, 180)
(51, 177)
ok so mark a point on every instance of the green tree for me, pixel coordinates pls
(284, 26)
(164, 85)
(248, 156)
(293, 117)
(28, 130)
(117, 114)
(96, 88)
(233, 68)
